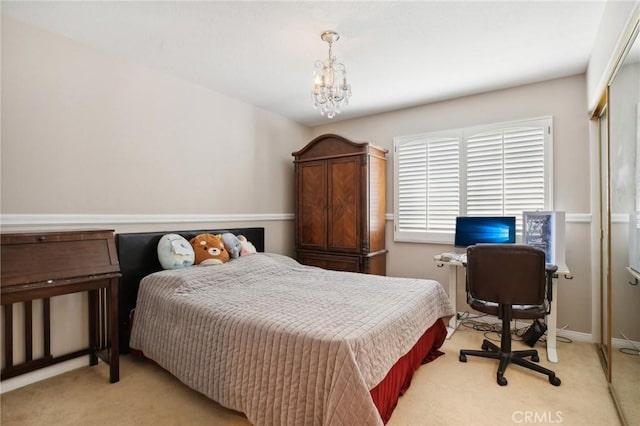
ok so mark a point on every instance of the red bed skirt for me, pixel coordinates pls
(385, 395)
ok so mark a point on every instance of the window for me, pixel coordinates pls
(496, 170)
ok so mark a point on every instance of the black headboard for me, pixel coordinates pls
(138, 256)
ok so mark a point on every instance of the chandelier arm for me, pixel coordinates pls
(319, 100)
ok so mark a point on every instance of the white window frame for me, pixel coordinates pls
(446, 236)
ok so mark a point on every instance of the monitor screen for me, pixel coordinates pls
(472, 230)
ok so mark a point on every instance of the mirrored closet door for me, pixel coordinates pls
(621, 231)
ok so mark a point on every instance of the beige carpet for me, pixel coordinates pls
(444, 392)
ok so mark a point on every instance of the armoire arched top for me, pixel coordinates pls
(331, 145)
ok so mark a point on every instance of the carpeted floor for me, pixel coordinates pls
(444, 392)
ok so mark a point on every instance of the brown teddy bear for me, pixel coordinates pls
(209, 250)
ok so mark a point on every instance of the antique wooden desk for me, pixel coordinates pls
(40, 265)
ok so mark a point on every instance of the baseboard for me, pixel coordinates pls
(575, 336)
(42, 374)
(618, 343)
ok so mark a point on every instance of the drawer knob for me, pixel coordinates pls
(42, 238)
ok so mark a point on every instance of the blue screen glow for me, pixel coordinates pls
(472, 230)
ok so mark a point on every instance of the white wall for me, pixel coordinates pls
(83, 132)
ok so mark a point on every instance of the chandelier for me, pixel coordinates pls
(331, 91)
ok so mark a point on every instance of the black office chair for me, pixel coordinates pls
(511, 282)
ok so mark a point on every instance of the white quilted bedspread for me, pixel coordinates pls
(284, 343)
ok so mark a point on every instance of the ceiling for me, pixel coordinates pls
(397, 54)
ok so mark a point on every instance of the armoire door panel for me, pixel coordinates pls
(312, 218)
(344, 205)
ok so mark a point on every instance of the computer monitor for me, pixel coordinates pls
(472, 230)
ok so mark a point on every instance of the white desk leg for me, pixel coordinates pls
(552, 324)
(453, 286)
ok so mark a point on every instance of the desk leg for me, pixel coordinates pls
(114, 359)
(552, 324)
(94, 323)
(453, 292)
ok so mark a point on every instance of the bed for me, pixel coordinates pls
(282, 342)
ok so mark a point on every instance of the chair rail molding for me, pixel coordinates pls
(9, 220)
(569, 217)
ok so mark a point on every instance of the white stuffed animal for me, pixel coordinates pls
(175, 252)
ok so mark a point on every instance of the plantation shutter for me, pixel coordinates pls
(497, 170)
(427, 185)
(412, 187)
(505, 172)
(485, 183)
(443, 184)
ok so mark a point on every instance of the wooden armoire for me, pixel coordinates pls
(340, 205)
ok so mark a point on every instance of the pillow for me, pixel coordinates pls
(209, 249)
(175, 252)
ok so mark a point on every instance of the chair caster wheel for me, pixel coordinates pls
(535, 358)
(485, 347)
(502, 381)
(555, 381)
(463, 358)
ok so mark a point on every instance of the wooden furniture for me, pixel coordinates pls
(340, 205)
(41, 265)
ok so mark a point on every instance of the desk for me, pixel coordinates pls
(42, 265)
(552, 318)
